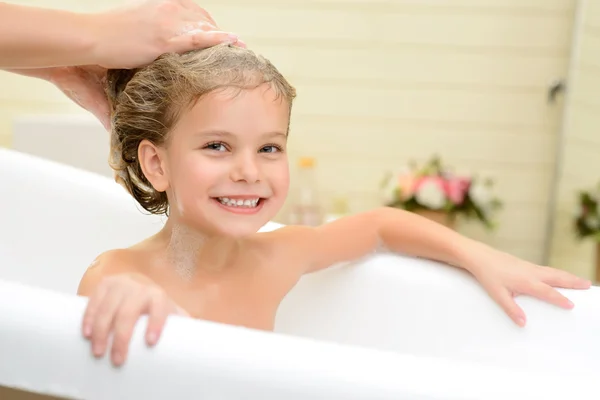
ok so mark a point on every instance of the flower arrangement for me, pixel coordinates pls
(587, 220)
(435, 188)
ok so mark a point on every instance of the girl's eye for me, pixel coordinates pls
(270, 149)
(216, 146)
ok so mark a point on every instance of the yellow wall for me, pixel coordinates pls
(383, 82)
(581, 144)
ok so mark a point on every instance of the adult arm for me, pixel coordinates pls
(32, 37)
(125, 37)
(73, 50)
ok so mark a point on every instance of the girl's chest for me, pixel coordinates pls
(242, 302)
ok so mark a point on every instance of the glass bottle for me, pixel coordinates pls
(306, 207)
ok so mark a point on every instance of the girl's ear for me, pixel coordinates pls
(152, 164)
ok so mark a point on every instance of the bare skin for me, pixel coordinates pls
(209, 262)
(243, 288)
(231, 283)
(73, 50)
(242, 281)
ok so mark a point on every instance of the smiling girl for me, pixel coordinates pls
(202, 137)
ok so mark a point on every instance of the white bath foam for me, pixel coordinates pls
(183, 250)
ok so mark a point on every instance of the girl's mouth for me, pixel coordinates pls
(240, 205)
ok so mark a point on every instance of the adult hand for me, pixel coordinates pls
(126, 37)
(85, 86)
(135, 35)
(139, 33)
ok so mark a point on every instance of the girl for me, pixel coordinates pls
(202, 138)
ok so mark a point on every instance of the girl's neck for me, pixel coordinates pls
(183, 250)
(188, 250)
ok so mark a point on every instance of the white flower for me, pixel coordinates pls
(431, 195)
(480, 194)
(388, 192)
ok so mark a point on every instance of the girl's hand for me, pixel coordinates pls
(504, 276)
(115, 307)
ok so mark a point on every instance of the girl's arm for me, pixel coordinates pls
(395, 230)
(399, 231)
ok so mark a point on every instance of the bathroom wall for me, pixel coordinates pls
(381, 82)
(580, 158)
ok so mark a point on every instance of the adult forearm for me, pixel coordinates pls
(33, 37)
(42, 73)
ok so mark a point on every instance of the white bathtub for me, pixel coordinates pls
(387, 328)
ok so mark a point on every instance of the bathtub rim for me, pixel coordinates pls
(372, 372)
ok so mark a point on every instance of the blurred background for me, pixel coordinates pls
(503, 90)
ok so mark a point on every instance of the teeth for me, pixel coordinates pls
(249, 203)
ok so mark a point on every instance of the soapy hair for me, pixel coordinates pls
(145, 103)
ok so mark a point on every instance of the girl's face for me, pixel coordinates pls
(224, 167)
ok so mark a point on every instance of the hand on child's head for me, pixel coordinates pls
(116, 306)
(145, 30)
(159, 27)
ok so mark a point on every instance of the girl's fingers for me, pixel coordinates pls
(550, 295)
(103, 320)
(505, 300)
(564, 279)
(91, 311)
(132, 307)
(160, 306)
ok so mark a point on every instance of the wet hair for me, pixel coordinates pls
(145, 103)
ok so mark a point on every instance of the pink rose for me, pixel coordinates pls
(456, 189)
(406, 183)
